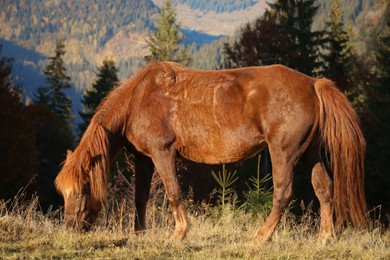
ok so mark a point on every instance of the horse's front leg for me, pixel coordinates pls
(144, 169)
(165, 164)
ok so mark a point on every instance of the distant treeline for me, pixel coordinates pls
(218, 6)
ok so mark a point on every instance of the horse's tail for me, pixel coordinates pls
(345, 144)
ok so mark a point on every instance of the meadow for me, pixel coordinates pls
(216, 233)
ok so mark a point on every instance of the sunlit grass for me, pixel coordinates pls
(27, 232)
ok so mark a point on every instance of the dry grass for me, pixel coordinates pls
(26, 233)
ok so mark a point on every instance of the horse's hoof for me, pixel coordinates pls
(260, 240)
(262, 236)
(179, 234)
(140, 232)
(325, 238)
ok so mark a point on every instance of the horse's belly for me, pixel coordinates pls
(220, 146)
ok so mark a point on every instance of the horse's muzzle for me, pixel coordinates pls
(81, 217)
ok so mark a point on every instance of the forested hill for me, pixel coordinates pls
(91, 29)
(95, 29)
(92, 21)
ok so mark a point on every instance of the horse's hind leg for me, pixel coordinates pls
(323, 187)
(144, 169)
(165, 164)
(282, 175)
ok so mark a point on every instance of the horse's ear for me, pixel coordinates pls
(69, 153)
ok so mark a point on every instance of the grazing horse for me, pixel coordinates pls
(218, 117)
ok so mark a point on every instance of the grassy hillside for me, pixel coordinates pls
(27, 233)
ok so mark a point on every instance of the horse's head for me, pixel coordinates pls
(81, 210)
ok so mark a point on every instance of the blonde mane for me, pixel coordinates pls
(88, 165)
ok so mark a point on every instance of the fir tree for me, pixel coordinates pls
(5, 70)
(338, 51)
(165, 44)
(256, 46)
(377, 124)
(17, 147)
(53, 95)
(282, 35)
(107, 79)
(53, 116)
(294, 19)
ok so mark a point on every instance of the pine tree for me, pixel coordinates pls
(5, 70)
(165, 44)
(377, 124)
(18, 152)
(53, 95)
(282, 35)
(260, 44)
(337, 48)
(107, 79)
(294, 19)
(53, 117)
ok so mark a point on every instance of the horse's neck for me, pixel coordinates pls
(111, 119)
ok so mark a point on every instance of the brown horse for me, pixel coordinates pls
(219, 117)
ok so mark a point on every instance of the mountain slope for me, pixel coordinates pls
(93, 30)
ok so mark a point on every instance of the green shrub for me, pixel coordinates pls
(258, 198)
(225, 180)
